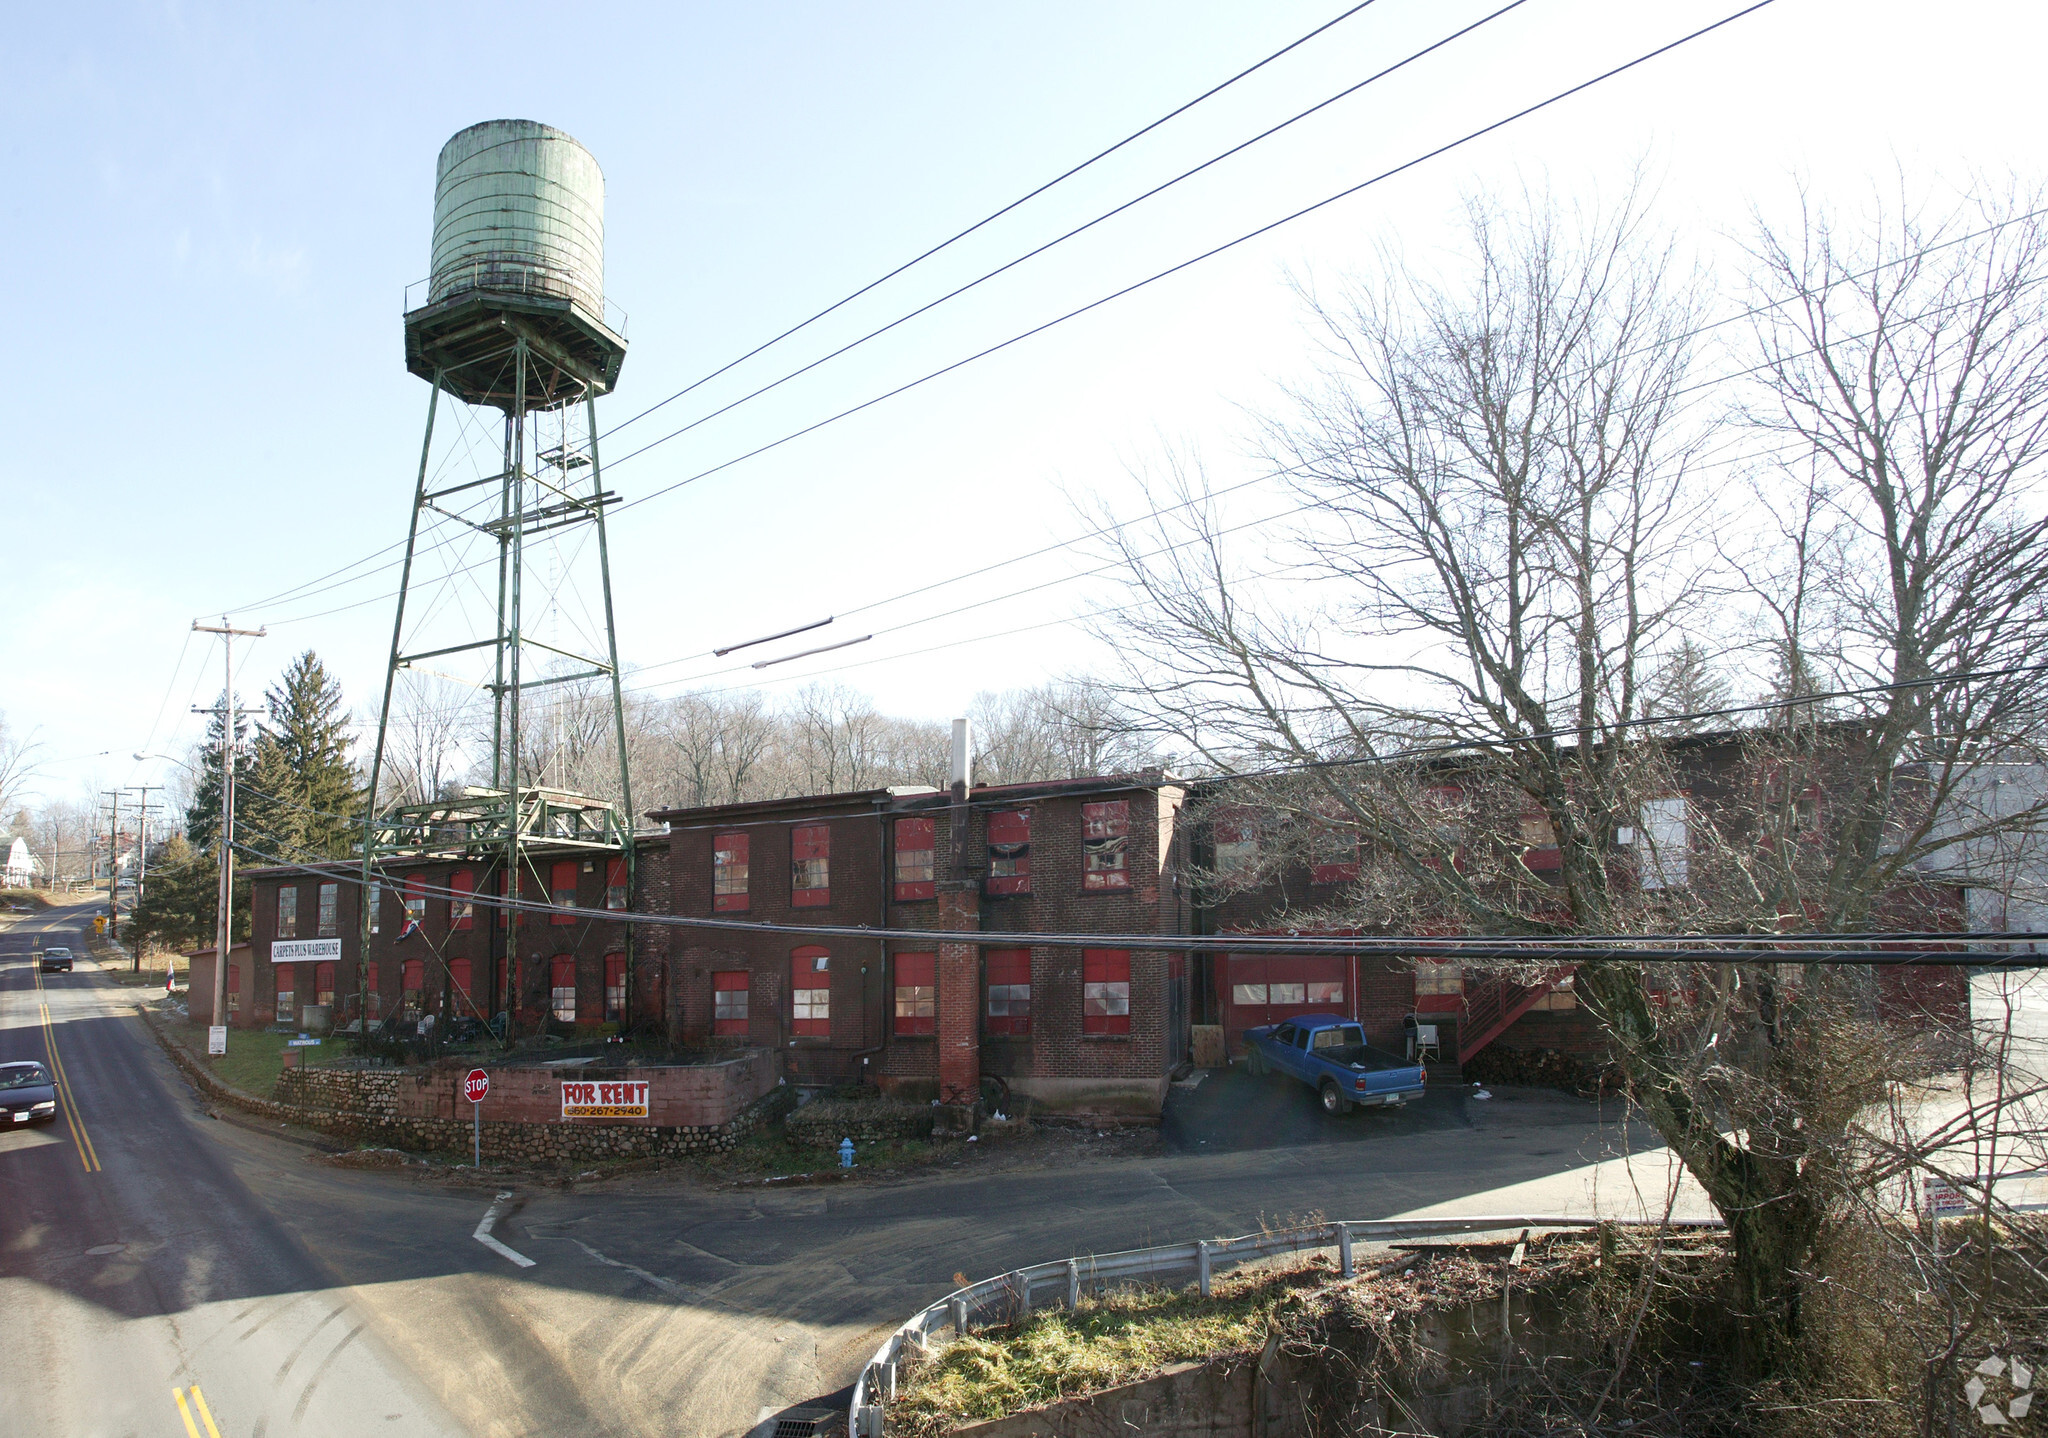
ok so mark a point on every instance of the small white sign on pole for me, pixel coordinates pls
(1944, 1199)
(217, 1039)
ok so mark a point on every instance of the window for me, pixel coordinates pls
(323, 986)
(1105, 833)
(458, 976)
(614, 988)
(615, 884)
(810, 866)
(1106, 991)
(916, 994)
(415, 902)
(287, 994)
(1663, 863)
(1288, 993)
(562, 890)
(1333, 855)
(1325, 993)
(461, 906)
(234, 988)
(729, 873)
(1009, 852)
(1009, 991)
(1248, 993)
(729, 1003)
(412, 981)
(916, 858)
(330, 895)
(562, 989)
(810, 988)
(1237, 846)
(374, 898)
(288, 913)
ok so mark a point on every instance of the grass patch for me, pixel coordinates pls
(23, 896)
(255, 1057)
(1118, 1338)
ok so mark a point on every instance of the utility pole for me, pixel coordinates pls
(230, 715)
(113, 864)
(141, 858)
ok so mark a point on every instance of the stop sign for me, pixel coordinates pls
(476, 1085)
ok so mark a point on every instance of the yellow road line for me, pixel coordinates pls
(191, 1428)
(199, 1401)
(81, 1138)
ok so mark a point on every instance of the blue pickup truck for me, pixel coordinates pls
(1328, 1052)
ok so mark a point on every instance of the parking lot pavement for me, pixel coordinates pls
(1232, 1110)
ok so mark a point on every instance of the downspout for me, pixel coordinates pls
(881, 949)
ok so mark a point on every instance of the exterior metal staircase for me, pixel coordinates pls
(1493, 1005)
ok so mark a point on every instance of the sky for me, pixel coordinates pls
(212, 212)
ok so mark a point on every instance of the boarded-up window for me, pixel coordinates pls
(810, 987)
(810, 866)
(1105, 991)
(323, 985)
(1009, 852)
(562, 890)
(461, 906)
(614, 988)
(1009, 991)
(562, 989)
(1105, 842)
(917, 993)
(288, 912)
(458, 976)
(1333, 854)
(729, 1003)
(287, 993)
(1237, 845)
(1666, 843)
(916, 859)
(615, 884)
(330, 899)
(729, 873)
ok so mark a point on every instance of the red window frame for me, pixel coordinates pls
(323, 984)
(415, 895)
(1009, 852)
(729, 873)
(614, 988)
(461, 906)
(805, 977)
(287, 925)
(1007, 970)
(917, 859)
(562, 889)
(615, 883)
(917, 993)
(810, 859)
(1103, 973)
(1105, 846)
(1329, 841)
(458, 975)
(731, 981)
(562, 979)
(325, 924)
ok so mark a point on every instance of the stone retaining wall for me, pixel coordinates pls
(824, 1124)
(394, 1107)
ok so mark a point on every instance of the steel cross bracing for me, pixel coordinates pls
(492, 350)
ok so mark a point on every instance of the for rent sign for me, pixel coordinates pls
(604, 1100)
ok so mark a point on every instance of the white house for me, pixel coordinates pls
(20, 867)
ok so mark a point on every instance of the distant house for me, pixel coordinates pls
(21, 866)
(2000, 856)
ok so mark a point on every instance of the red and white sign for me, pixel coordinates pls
(476, 1085)
(605, 1100)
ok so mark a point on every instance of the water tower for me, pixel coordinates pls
(512, 319)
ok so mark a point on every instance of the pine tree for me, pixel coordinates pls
(180, 908)
(302, 762)
(202, 815)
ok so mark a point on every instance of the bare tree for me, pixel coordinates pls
(1507, 538)
(17, 765)
(423, 742)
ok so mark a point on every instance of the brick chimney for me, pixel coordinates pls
(959, 959)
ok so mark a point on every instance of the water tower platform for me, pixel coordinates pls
(468, 339)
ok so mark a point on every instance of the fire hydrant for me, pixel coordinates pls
(846, 1153)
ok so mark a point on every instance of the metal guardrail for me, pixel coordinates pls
(1010, 1297)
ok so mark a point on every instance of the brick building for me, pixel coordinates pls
(1097, 1027)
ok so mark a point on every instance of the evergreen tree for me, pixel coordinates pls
(180, 907)
(202, 815)
(302, 765)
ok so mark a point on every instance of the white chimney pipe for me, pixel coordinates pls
(963, 757)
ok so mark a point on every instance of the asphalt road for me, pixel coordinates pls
(163, 1247)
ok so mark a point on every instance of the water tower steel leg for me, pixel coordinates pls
(510, 650)
(412, 533)
(611, 635)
